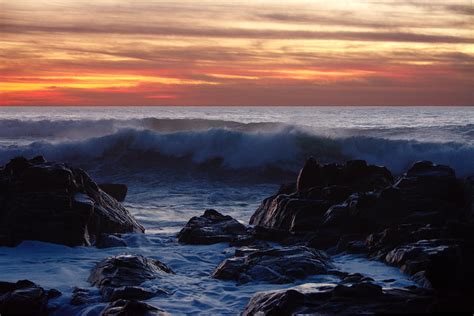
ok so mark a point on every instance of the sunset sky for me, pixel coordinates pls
(187, 52)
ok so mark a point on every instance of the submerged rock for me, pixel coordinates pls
(329, 299)
(283, 265)
(24, 298)
(132, 308)
(119, 275)
(210, 228)
(56, 203)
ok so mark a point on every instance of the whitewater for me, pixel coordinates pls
(179, 161)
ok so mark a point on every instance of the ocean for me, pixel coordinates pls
(179, 161)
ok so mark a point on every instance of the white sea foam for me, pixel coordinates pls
(285, 148)
(179, 161)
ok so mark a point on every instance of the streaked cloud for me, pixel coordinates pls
(299, 52)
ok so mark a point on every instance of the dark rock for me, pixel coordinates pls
(53, 202)
(351, 244)
(324, 239)
(134, 293)
(16, 166)
(115, 190)
(22, 298)
(359, 290)
(309, 175)
(429, 169)
(427, 187)
(318, 188)
(131, 308)
(210, 228)
(110, 241)
(125, 270)
(336, 193)
(356, 278)
(355, 174)
(248, 240)
(53, 293)
(82, 296)
(270, 234)
(290, 213)
(422, 280)
(38, 160)
(469, 189)
(287, 188)
(323, 299)
(358, 214)
(422, 223)
(273, 265)
(434, 257)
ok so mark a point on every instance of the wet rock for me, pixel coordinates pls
(351, 244)
(422, 280)
(429, 169)
(110, 241)
(56, 203)
(82, 296)
(290, 213)
(309, 175)
(434, 257)
(282, 265)
(53, 293)
(210, 228)
(328, 299)
(249, 241)
(379, 244)
(336, 193)
(16, 166)
(115, 190)
(318, 188)
(356, 278)
(360, 213)
(134, 293)
(124, 271)
(270, 234)
(355, 174)
(428, 187)
(132, 308)
(22, 298)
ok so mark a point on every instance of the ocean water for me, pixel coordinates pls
(178, 161)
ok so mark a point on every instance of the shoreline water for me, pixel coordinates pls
(177, 167)
(191, 290)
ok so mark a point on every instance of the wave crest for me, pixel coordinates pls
(284, 148)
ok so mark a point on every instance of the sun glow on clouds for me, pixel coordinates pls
(299, 52)
(92, 82)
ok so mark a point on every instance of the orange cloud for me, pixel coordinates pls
(230, 52)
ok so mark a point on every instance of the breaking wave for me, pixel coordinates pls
(169, 143)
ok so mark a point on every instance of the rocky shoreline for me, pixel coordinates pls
(421, 221)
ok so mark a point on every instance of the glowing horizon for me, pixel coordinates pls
(299, 52)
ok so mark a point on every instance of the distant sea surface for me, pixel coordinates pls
(178, 161)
